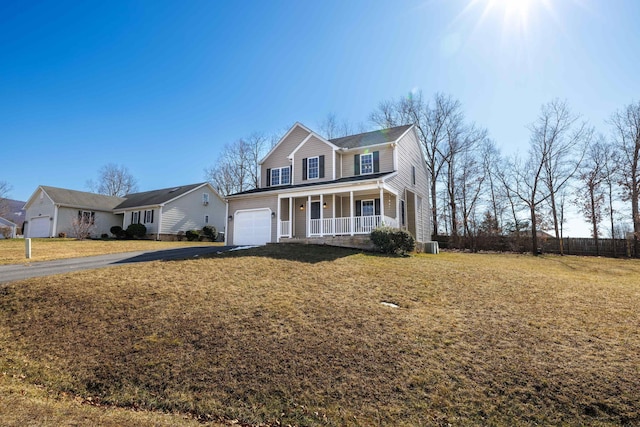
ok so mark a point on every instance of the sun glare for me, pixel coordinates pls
(516, 15)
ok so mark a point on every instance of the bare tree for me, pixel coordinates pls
(83, 224)
(238, 168)
(590, 194)
(626, 135)
(114, 180)
(5, 188)
(331, 127)
(491, 162)
(559, 139)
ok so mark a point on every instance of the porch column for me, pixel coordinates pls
(351, 211)
(290, 217)
(333, 215)
(308, 215)
(321, 215)
(381, 206)
(278, 220)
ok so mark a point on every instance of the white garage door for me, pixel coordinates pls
(252, 227)
(38, 227)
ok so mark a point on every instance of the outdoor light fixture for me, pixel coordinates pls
(324, 205)
(301, 207)
(230, 217)
(273, 214)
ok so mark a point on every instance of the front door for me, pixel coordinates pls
(315, 210)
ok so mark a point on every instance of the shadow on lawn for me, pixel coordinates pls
(294, 252)
(176, 254)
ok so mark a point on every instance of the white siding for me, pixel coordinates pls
(41, 206)
(188, 212)
(278, 158)
(152, 227)
(103, 221)
(313, 148)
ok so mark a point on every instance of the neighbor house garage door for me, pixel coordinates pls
(38, 227)
(252, 227)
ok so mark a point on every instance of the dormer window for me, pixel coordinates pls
(366, 163)
(279, 176)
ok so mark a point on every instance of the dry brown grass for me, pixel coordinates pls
(297, 335)
(12, 250)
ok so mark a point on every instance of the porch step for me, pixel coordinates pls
(356, 242)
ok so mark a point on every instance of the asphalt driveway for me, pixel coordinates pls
(9, 273)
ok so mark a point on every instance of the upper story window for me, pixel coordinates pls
(205, 198)
(280, 176)
(366, 163)
(413, 175)
(312, 169)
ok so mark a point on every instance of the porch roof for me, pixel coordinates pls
(278, 189)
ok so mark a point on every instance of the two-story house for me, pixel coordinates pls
(312, 187)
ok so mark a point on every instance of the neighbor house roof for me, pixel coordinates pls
(313, 184)
(81, 199)
(6, 222)
(371, 138)
(156, 197)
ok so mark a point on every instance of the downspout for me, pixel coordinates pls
(159, 222)
(55, 220)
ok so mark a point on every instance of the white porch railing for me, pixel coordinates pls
(285, 228)
(342, 226)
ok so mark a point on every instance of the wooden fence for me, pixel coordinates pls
(571, 246)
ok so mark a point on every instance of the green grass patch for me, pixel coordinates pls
(292, 334)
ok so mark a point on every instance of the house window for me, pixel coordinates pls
(413, 175)
(148, 216)
(402, 214)
(366, 163)
(280, 176)
(87, 217)
(135, 217)
(206, 219)
(312, 167)
(205, 198)
(368, 208)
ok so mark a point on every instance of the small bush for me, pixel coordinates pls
(192, 235)
(104, 236)
(136, 231)
(117, 231)
(210, 232)
(392, 240)
(62, 235)
(180, 235)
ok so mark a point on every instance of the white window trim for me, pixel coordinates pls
(362, 156)
(205, 197)
(317, 168)
(373, 206)
(279, 170)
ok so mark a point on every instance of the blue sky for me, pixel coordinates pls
(161, 86)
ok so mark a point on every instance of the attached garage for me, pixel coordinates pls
(252, 227)
(39, 227)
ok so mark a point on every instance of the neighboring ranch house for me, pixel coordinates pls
(51, 211)
(314, 188)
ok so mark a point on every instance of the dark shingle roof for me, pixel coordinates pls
(370, 138)
(82, 199)
(155, 197)
(313, 184)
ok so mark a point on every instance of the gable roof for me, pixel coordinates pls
(156, 197)
(375, 137)
(80, 199)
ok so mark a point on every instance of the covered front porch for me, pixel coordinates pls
(347, 212)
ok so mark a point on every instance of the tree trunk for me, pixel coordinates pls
(554, 213)
(534, 231)
(434, 204)
(594, 220)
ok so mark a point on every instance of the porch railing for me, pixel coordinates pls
(285, 228)
(342, 226)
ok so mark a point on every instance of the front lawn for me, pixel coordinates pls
(12, 251)
(298, 335)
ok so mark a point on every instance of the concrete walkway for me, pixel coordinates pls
(12, 272)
